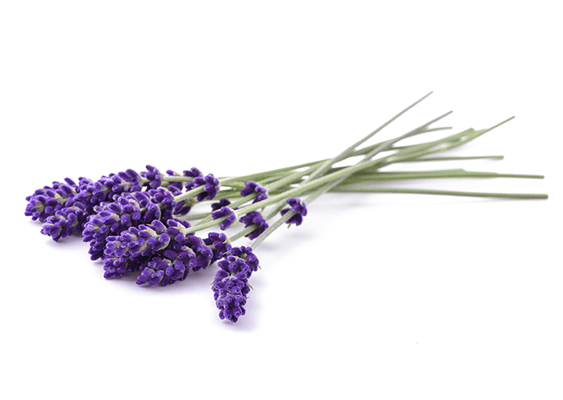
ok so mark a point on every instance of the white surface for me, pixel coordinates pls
(375, 296)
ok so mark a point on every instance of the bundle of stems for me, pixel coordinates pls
(318, 177)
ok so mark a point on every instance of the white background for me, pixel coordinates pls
(375, 295)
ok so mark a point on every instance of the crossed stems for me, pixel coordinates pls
(316, 178)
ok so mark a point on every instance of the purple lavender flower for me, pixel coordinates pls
(133, 248)
(113, 218)
(177, 185)
(66, 221)
(172, 263)
(254, 218)
(163, 253)
(298, 207)
(45, 202)
(252, 187)
(65, 208)
(211, 187)
(223, 202)
(230, 285)
(153, 176)
(193, 173)
(137, 241)
(107, 187)
(118, 267)
(218, 243)
(164, 270)
(210, 183)
(225, 212)
(164, 204)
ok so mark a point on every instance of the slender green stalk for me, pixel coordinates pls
(391, 176)
(344, 189)
(345, 154)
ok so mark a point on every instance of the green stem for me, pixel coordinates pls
(345, 189)
(390, 176)
(456, 158)
(345, 154)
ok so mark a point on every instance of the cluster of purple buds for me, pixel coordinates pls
(153, 177)
(298, 207)
(228, 214)
(163, 253)
(223, 202)
(129, 221)
(230, 285)
(252, 187)
(45, 202)
(219, 244)
(66, 221)
(107, 187)
(65, 207)
(129, 210)
(209, 182)
(174, 261)
(255, 219)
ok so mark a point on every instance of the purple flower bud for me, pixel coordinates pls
(225, 212)
(254, 218)
(298, 207)
(223, 202)
(254, 188)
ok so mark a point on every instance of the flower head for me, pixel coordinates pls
(45, 202)
(230, 215)
(298, 207)
(172, 262)
(252, 187)
(218, 243)
(223, 202)
(138, 241)
(66, 221)
(153, 176)
(107, 187)
(230, 285)
(254, 218)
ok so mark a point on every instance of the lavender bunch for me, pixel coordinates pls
(144, 223)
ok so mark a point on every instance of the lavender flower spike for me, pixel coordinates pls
(254, 218)
(225, 212)
(253, 187)
(47, 201)
(299, 208)
(231, 286)
(211, 187)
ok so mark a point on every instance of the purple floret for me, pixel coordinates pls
(254, 218)
(223, 202)
(225, 212)
(298, 207)
(211, 187)
(254, 188)
(153, 176)
(218, 243)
